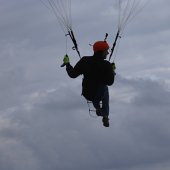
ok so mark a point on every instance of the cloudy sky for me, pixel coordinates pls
(44, 121)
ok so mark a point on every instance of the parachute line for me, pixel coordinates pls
(62, 11)
(127, 10)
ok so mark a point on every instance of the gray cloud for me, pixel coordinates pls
(47, 133)
(44, 121)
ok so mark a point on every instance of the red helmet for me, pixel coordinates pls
(100, 46)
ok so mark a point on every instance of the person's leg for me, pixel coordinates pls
(102, 96)
(105, 106)
(105, 102)
(97, 100)
(96, 104)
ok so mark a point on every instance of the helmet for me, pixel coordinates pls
(100, 46)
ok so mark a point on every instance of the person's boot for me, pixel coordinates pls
(105, 121)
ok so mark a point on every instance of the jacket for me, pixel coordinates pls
(96, 72)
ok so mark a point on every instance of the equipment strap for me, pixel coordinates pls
(71, 34)
(114, 44)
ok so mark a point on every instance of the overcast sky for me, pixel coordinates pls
(44, 121)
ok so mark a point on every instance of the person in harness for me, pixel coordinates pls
(98, 74)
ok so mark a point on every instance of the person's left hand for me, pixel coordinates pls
(66, 60)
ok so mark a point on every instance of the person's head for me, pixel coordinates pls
(101, 48)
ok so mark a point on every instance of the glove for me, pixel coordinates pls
(66, 60)
(113, 66)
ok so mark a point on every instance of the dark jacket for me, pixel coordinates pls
(96, 72)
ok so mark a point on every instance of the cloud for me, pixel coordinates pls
(44, 121)
(46, 133)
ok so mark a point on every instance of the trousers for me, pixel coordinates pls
(101, 100)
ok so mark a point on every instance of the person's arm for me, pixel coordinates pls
(109, 74)
(73, 72)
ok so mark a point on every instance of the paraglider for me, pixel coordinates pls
(98, 73)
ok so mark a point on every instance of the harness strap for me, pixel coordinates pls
(114, 44)
(71, 34)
